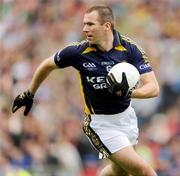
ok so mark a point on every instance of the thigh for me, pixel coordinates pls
(119, 171)
(130, 161)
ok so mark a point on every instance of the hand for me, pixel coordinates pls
(23, 99)
(120, 89)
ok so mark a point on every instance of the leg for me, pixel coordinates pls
(113, 170)
(131, 162)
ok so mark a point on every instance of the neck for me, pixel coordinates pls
(107, 42)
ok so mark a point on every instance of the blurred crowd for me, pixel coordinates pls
(50, 141)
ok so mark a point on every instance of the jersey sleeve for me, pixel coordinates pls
(66, 57)
(139, 59)
(136, 55)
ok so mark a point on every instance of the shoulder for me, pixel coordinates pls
(70, 55)
(128, 42)
(75, 47)
(132, 46)
(131, 43)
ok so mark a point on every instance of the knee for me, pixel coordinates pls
(113, 170)
(118, 171)
(146, 171)
(106, 171)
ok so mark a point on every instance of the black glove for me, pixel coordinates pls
(120, 89)
(23, 99)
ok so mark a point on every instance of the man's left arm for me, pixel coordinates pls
(149, 86)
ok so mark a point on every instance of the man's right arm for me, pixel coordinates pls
(26, 98)
(41, 74)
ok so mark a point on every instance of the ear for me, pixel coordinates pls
(107, 26)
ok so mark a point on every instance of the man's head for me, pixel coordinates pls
(98, 21)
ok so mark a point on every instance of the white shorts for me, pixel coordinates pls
(110, 133)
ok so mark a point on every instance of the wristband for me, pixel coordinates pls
(29, 94)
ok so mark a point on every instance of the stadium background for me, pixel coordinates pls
(50, 142)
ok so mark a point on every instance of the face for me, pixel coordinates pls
(93, 30)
